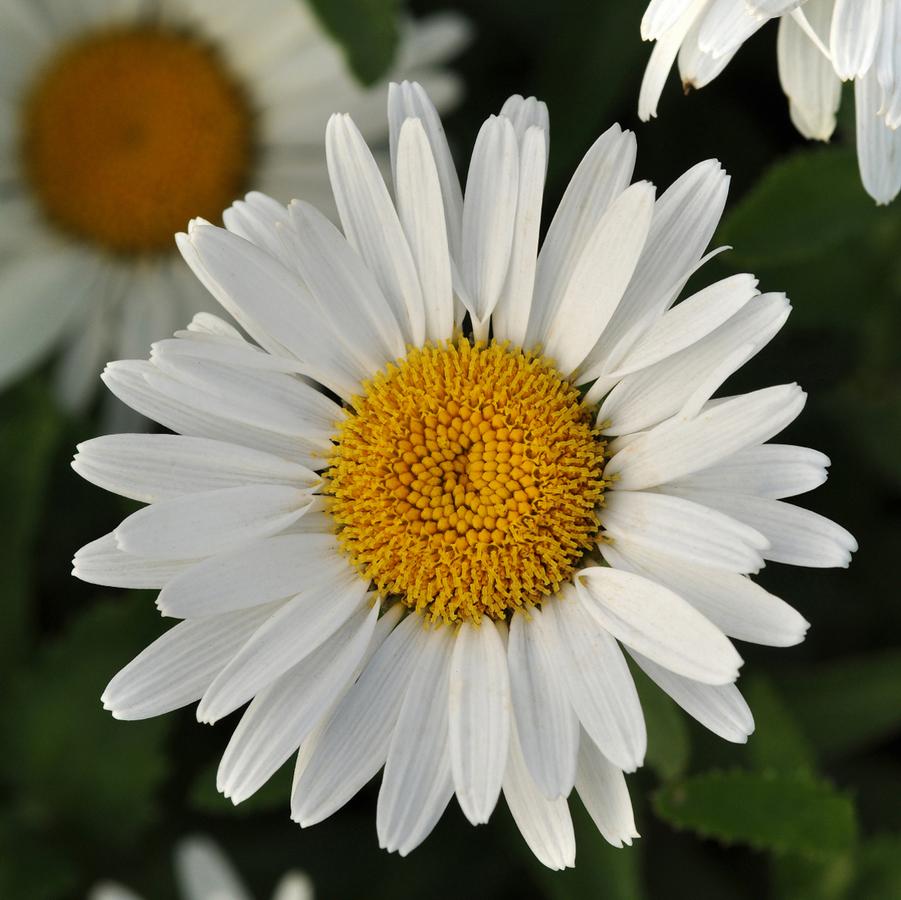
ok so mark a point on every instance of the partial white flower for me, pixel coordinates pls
(821, 43)
(412, 543)
(204, 873)
(121, 119)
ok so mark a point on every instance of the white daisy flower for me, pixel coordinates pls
(121, 119)
(405, 535)
(821, 44)
(203, 872)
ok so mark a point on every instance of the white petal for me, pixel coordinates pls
(421, 210)
(178, 667)
(685, 529)
(719, 707)
(689, 321)
(298, 628)
(807, 76)
(354, 745)
(734, 603)
(409, 100)
(102, 562)
(203, 872)
(270, 569)
(511, 315)
(599, 277)
(524, 113)
(371, 224)
(479, 724)
(685, 216)
(195, 525)
(663, 56)
(726, 25)
(597, 679)
(797, 536)
(768, 470)
(602, 175)
(294, 886)
(659, 391)
(675, 450)
(489, 212)
(660, 16)
(854, 35)
(417, 780)
(602, 789)
(281, 717)
(878, 147)
(653, 620)
(545, 824)
(547, 725)
(153, 467)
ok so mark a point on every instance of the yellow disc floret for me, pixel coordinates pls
(465, 481)
(128, 133)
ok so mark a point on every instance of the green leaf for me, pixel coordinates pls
(803, 206)
(275, 794)
(767, 811)
(668, 742)
(778, 744)
(73, 768)
(848, 705)
(801, 878)
(367, 31)
(30, 432)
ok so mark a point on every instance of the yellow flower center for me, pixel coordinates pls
(127, 133)
(465, 481)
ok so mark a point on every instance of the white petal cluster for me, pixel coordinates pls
(238, 541)
(821, 43)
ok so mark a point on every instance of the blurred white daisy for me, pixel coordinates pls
(203, 872)
(413, 543)
(821, 43)
(121, 119)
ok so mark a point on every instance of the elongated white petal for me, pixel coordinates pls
(653, 620)
(734, 603)
(807, 76)
(408, 100)
(878, 147)
(152, 467)
(273, 568)
(178, 667)
(371, 223)
(417, 781)
(599, 278)
(195, 525)
(511, 315)
(300, 626)
(659, 391)
(354, 745)
(669, 452)
(489, 213)
(660, 16)
(597, 679)
(421, 210)
(726, 24)
(102, 562)
(796, 536)
(547, 724)
(767, 470)
(854, 36)
(281, 717)
(202, 872)
(602, 175)
(545, 824)
(602, 789)
(479, 723)
(719, 707)
(688, 530)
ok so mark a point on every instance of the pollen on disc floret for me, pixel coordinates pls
(465, 480)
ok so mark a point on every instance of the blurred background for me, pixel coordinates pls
(808, 809)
